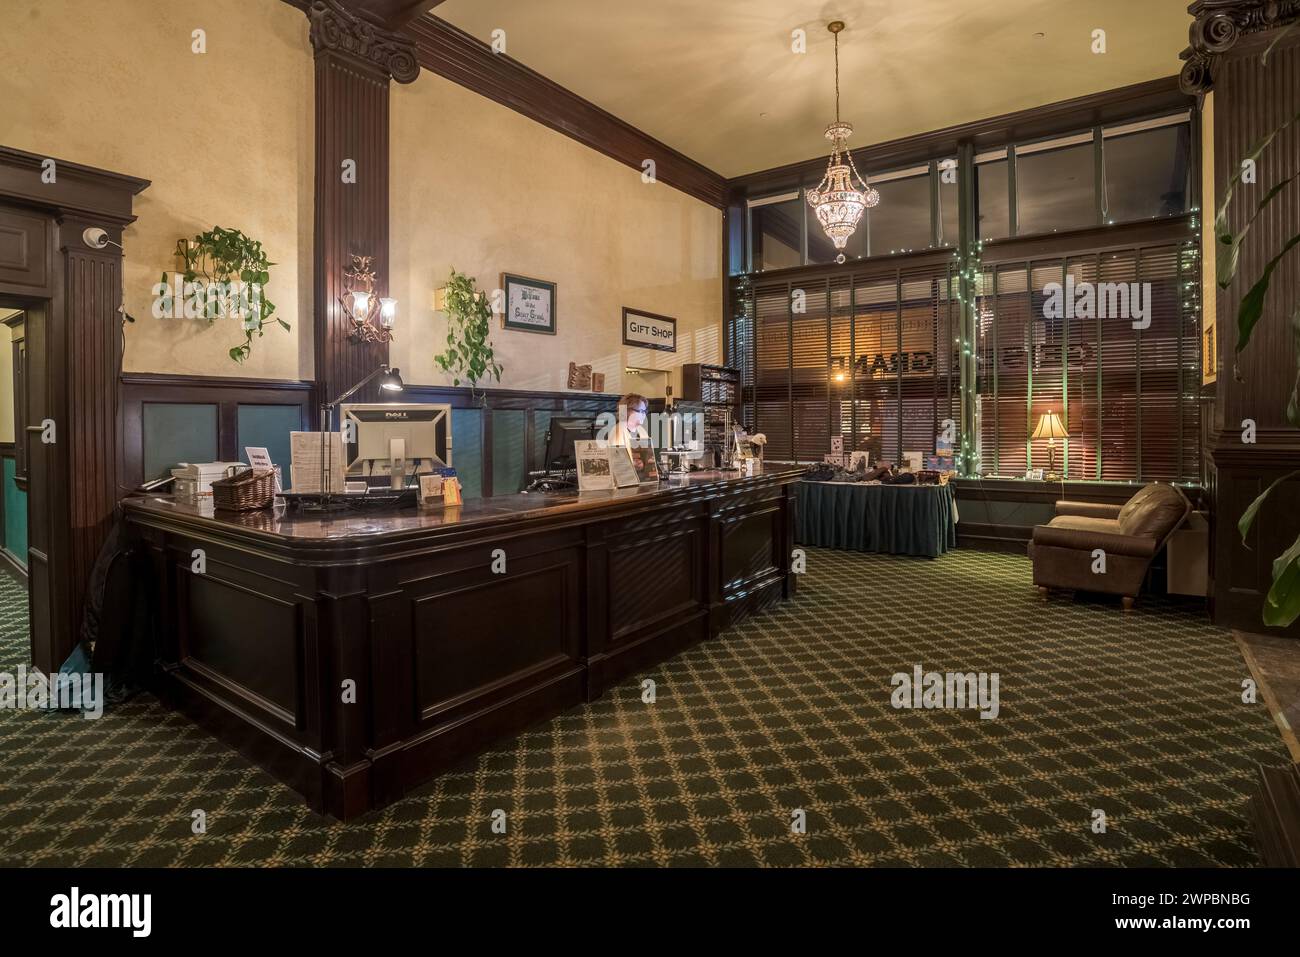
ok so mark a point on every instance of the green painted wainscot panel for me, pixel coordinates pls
(541, 423)
(268, 427)
(15, 514)
(467, 450)
(509, 456)
(175, 432)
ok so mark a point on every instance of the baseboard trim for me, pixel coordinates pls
(14, 565)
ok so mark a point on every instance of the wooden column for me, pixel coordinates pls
(355, 61)
(1251, 99)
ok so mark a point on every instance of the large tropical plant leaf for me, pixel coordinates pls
(1221, 231)
(1278, 39)
(1252, 304)
(1282, 604)
(1227, 260)
(1248, 516)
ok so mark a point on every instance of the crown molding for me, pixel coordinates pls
(455, 55)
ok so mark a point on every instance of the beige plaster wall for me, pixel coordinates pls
(226, 137)
(480, 187)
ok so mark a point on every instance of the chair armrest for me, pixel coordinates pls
(1086, 540)
(1088, 509)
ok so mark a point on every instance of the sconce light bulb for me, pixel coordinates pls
(387, 312)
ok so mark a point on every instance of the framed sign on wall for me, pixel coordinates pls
(648, 330)
(530, 304)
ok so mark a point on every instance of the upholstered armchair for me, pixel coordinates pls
(1130, 535)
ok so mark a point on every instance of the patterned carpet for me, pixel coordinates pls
(1139, 716)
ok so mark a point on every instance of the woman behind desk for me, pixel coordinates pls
(629, 432)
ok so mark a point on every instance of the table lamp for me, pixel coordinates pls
(1050, 428)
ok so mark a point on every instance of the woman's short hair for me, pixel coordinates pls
(631, 401)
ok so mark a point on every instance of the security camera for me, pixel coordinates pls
(96, 238)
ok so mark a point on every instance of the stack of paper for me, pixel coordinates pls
(306, 451)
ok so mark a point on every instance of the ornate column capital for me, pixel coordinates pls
(336, 29)
(1216, 28)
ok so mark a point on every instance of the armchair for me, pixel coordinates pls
(1130, 535)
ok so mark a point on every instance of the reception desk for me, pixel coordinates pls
(357, 655)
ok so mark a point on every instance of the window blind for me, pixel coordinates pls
(1125, 385)
(868, 355)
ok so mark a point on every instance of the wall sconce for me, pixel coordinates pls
(361, 304)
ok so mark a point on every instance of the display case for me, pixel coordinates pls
(717, 390)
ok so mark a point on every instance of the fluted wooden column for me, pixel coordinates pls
(1250, 99)
(355, 62)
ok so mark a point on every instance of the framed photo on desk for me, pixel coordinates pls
(530, 304)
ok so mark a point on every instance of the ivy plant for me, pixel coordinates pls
(226, 256)
(1282, 603)
(469, 353)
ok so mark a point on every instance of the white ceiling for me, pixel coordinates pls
(716, 79)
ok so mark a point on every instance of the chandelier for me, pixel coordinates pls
(839, 205)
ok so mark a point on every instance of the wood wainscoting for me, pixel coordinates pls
(499, 434)
(209, 410)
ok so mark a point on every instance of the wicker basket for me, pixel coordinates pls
(244, 491)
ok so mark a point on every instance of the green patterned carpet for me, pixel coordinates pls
(1139, 716)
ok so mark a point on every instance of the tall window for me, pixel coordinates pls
(1103, 334)
(775, 231)
(1056, 186)
(1146, 168)
(1119, 364)
(868, 356)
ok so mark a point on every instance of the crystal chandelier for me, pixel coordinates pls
(836, 201)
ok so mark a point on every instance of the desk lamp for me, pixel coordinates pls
(390, 381)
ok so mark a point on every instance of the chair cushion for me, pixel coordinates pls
(1086, 523)
(1153, 512)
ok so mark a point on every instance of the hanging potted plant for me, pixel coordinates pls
(224, 275)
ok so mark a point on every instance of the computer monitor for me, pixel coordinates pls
(560, 438)
(394, 437)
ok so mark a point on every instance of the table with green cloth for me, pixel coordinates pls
(898, 519)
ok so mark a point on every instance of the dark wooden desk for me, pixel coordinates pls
(447, 655)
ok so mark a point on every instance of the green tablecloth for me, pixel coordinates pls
(899, 519)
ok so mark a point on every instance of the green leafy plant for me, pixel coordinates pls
(224, 256)
(1282, 603)
(469, 354)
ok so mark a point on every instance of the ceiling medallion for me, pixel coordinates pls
(839, 205)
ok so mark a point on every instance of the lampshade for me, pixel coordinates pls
(1050, 427)
(391, 381)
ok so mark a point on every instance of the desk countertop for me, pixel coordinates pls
(293, 526)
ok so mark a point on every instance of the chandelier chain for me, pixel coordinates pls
(837, 77)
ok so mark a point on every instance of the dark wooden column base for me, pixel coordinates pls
(1276, 812)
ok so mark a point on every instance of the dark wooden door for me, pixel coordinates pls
(46, 589)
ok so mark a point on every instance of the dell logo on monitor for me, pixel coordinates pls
(395, 415)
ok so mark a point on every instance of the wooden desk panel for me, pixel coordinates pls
(445, 655)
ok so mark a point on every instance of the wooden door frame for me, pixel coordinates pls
(73, 293)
